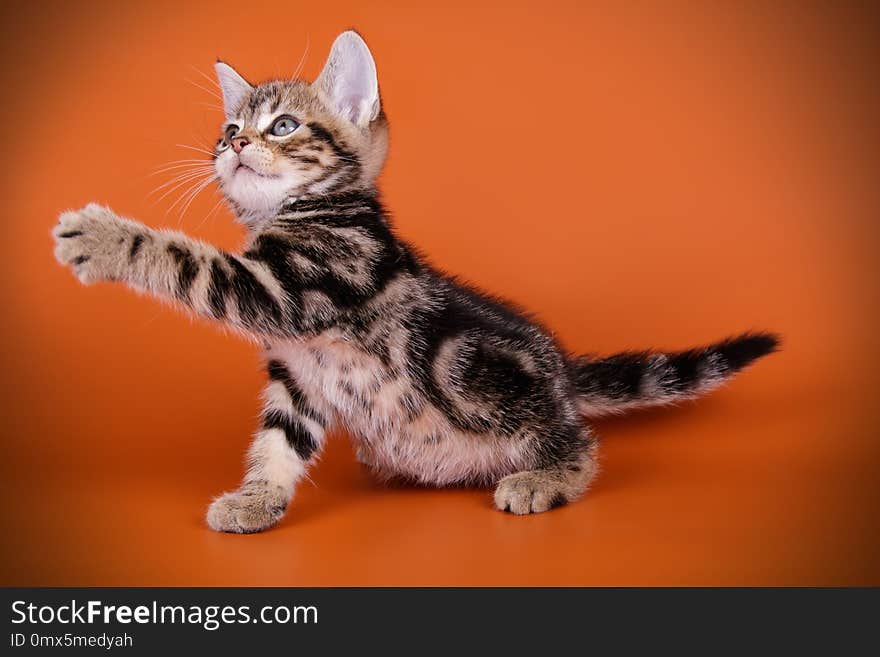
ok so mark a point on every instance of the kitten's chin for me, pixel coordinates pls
(257, 196)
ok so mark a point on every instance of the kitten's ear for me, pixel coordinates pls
(234, 87)
(349, 82)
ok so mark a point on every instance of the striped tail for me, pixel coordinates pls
(631, 380)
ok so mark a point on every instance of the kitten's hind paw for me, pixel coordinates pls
(253, 508)
(536, 491)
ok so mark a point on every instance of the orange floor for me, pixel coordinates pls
(660, 176)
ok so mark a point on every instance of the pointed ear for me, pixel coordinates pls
(234, 87)
(349, 82)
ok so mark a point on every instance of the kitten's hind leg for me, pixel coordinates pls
(291, 436)
(535, 491)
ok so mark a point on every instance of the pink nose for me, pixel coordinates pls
(240, 142)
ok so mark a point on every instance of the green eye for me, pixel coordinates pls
(283, 126)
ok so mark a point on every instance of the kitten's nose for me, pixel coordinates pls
(240, 142)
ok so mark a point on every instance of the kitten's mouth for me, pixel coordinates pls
(244, 168)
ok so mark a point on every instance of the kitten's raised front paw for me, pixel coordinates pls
(252, 508)
(533, 491)
(93, 241)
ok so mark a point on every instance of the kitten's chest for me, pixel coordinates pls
(338, 375)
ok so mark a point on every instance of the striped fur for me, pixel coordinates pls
(632, 380)
(437, 382)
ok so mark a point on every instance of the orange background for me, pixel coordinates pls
(664, 174)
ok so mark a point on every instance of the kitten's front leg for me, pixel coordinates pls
(292, 434)
(237, 290)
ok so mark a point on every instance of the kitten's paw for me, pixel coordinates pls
(533, 491)
(93, 242)
(252, 508)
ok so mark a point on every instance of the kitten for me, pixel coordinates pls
(436, 382)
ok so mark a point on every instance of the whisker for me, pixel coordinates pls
(219, 204)
(188, 172)
(180, 188)
(181, 182)
(177, 182)
(184, 193)
(182, 168)
(211, 212)
(170, 167)
(182, 165)
(302, 59)
(184, 159)
(205, 89)
(196, 149)
(194, 194)
(206, 76)
(198, 141)
(192, 183)
(179, 179)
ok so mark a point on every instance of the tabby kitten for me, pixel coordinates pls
(437, 383)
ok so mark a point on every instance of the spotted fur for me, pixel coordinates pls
(437, 382)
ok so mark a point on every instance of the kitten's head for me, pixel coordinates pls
(287, 138)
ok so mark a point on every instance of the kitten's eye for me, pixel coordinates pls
(283, 126)
(231, 131)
